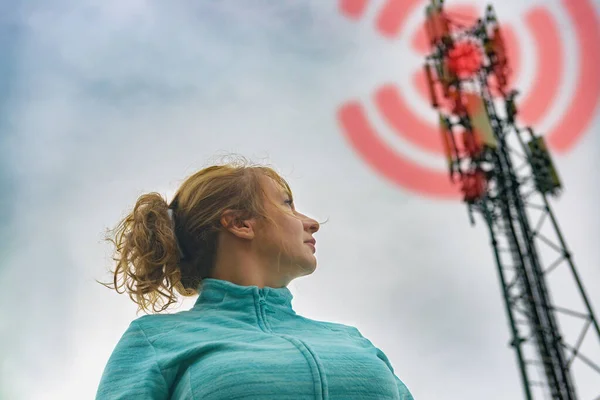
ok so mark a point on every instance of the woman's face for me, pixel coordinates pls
(295, 230)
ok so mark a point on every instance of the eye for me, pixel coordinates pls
(290, 202)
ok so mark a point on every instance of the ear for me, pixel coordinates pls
(242, 228)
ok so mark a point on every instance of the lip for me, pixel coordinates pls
(311, 245)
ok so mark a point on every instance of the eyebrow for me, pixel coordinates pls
(286, 193)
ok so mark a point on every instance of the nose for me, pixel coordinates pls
(310, 224)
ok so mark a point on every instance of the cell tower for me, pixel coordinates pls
(506, 175)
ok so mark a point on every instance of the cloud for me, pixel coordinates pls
(113, 99)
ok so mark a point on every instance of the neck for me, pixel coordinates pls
(244, 274)
(244, 267)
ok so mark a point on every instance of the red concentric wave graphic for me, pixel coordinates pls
(534, 105)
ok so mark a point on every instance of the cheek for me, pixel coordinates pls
(292, 230)
(297, 226)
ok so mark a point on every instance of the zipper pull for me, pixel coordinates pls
(263, 302)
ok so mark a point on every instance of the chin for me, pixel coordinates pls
(309, 267)
(305, 267)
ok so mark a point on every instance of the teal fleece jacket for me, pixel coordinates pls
(245, 342)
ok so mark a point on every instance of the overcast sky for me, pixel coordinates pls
(102, 101)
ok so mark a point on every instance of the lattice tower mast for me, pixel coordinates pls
(506, 175)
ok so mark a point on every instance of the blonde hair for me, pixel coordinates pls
(149, 266)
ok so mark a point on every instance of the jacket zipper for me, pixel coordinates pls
(264, 308)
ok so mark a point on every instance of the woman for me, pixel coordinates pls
(232, 235)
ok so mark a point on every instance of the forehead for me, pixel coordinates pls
(273, 188)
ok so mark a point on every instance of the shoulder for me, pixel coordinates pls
(337, 327)
(156, 325)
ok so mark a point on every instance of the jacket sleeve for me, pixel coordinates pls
(132, 371)
(402, 389)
